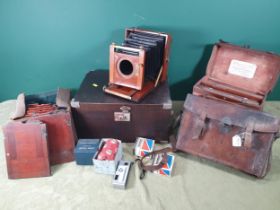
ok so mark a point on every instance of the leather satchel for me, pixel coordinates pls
(229, 134)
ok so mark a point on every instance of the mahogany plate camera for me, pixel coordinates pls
(139, 64)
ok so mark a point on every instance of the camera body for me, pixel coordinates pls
(139, 64)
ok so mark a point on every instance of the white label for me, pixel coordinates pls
(242, 69)
(122, 116)
(236, 141)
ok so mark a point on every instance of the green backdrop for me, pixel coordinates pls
(49, 43)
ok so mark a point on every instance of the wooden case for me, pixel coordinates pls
(60, 129)
(239, 75)
(26, 149)
(100, 115)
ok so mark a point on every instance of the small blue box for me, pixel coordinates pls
(85, 150)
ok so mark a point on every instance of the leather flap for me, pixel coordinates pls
(235, 115)
(20, 107)
(63, 98)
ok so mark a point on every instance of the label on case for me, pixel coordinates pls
(242, 69)
(236, 141)
(122, 116)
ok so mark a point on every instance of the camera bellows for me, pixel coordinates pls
(139, 64)
(154, 51)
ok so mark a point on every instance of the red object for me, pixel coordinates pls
(145, 146)
(109, 150)
(35, 109)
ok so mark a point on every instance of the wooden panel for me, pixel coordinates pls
(26, 149)
(61, 136)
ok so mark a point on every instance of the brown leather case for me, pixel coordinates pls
(26, 149)
(233, 135)
(239, 75)
(100, 115)
(222, 120)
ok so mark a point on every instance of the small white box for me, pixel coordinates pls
(107, 166)
(143, 146)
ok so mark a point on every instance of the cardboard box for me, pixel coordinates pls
(143, 146)
(85, 151)
(166, 169)
(107, 166)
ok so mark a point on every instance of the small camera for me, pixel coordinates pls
(139, 64)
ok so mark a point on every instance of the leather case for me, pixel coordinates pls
(229, 134)
(222, 120)
(239, 75)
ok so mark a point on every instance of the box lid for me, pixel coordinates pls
(87, 146)
(91, 91)
(247, 69)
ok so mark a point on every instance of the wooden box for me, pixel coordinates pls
(99, 115)
(52, 109)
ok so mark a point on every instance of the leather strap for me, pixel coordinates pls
(264, 122)
(145, 168)
(20, 107)
(63, 98)
(172, 139)
(248, 135)
(200, 126)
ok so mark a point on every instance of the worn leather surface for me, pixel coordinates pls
(227, 79)
(196, 184)
(262, 81)
(208, 127)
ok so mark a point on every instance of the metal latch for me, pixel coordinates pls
(124, 115)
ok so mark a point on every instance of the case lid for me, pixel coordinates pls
(247, 69)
